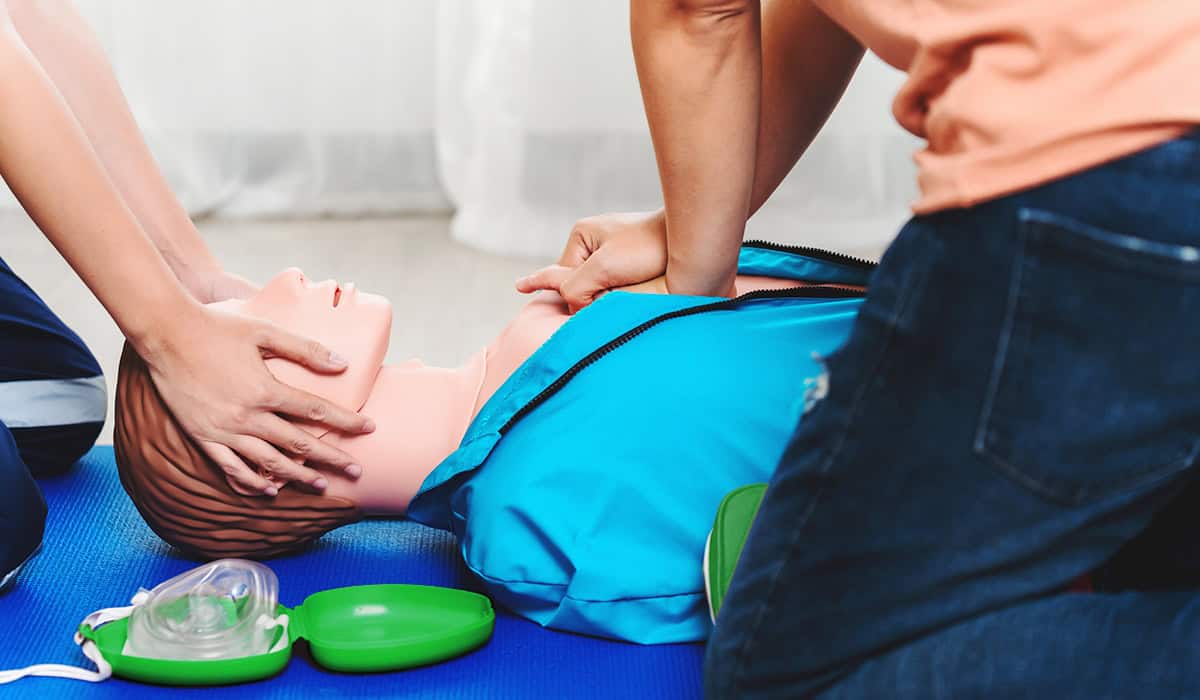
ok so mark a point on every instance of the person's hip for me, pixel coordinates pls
(1016, 400)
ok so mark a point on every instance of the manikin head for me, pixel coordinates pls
(184, 496)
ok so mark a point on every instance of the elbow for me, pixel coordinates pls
(703, 20)
(713, 12)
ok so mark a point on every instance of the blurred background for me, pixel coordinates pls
(430, 151)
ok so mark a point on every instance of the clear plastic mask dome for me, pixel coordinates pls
(215, 611)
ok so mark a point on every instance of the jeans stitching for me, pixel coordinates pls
(1012, 331)
(1082, 495)
(1000, 361)
(901, 307)
(1173, 260)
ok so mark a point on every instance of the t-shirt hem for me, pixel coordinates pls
(972, 182)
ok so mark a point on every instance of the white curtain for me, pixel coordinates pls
(539, 122)
(282, 107)
(522, 114)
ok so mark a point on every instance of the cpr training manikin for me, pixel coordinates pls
(578, 459)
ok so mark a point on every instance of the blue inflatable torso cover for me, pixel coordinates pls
(584, 490)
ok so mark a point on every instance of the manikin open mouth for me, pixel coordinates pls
(341, 291)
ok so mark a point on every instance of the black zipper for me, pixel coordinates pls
(808, 292)
(818, 253)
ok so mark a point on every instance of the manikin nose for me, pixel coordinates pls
(335, 290)
(292, 275)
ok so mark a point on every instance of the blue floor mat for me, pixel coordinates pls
(97, 552)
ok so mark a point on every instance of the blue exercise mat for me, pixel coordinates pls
(97, 552)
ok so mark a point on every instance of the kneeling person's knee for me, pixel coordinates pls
(55, 421)
(52, 392)
(22, 508)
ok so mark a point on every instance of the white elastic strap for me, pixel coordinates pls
(267, 622)
(103, 669)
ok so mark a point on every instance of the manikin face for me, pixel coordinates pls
(349, 322)
(425, 409)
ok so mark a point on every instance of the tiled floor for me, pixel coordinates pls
(449, 299)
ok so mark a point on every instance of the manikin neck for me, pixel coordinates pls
(421, 414)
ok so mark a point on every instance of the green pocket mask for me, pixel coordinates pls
(383, 627)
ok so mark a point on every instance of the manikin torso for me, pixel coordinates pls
(420, 412)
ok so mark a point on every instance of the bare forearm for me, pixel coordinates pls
(48, 162)
(699, 65)
(807, 62)
(73, 59)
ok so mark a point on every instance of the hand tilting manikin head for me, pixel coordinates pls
(421, 413)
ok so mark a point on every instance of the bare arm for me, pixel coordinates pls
(208, 366)
(49, 164)
(807, 61)
(73, 59)
(699, 65)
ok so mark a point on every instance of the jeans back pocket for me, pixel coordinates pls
(1095, 387)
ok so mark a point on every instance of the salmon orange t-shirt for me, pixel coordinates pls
(1009, 94)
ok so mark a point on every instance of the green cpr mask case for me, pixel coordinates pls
(221, 623)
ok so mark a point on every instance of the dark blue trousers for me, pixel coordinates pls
(52, 406)
(1018, 405)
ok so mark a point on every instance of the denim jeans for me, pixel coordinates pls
(1020, 396)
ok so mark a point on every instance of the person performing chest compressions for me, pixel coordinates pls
(1018, 401)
